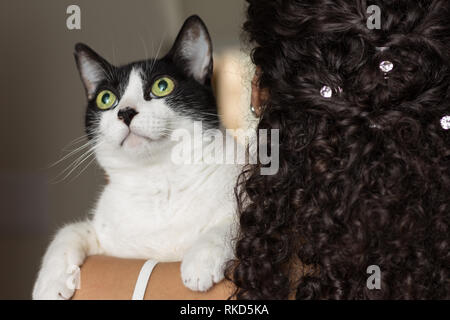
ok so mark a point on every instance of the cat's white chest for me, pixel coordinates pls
(159, 214)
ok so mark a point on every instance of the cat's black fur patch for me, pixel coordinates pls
(190, 97)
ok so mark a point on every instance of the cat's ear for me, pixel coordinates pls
(93, 68)
(192, 50)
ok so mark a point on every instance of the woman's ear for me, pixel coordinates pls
(259, 96)
(192, 50)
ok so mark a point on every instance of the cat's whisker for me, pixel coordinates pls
(84, 169)
(73, 168)
(70, 147)
(113, 50)
(74, 165)
(145, 47)
(153, 50)
(77, 140)
(77, 162)
(157, 52)
(73, 152)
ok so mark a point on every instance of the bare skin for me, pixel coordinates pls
(108, 278)
(111, 278)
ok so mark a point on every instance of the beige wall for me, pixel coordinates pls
(42, 105)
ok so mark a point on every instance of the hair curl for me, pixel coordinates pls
(364, 176)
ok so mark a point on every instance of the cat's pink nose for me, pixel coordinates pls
(126, 115)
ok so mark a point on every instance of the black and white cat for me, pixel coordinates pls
(151, 207)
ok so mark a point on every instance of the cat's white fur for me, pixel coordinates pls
(151, 207)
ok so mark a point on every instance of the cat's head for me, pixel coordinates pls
(133, 109)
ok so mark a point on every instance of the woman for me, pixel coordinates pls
(364, 177)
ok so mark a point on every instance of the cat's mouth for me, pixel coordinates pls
(132, 139)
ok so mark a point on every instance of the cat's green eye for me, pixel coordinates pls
(106, 99)
(162, 87)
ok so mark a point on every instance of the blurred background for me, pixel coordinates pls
(43, 103)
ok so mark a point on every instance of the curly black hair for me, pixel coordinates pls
(364, 176)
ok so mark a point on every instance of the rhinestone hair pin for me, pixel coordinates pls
(327, 92)
(386, 67)
(445, 122)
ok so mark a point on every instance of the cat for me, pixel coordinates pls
(151, 208)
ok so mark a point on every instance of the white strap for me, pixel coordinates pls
(142, 281)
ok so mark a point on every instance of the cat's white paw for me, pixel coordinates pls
(59, 275)
(203, 267)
